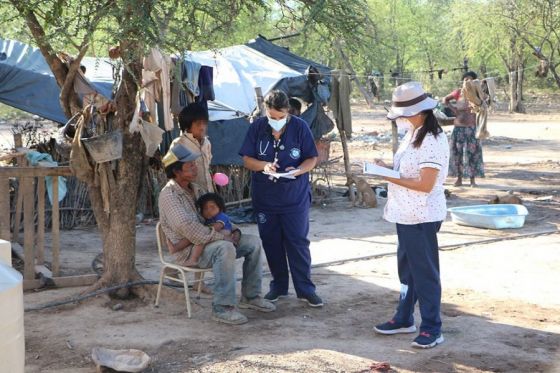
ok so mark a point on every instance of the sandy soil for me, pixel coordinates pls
(500, 302)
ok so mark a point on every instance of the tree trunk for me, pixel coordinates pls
(520, 76)
(555, 74)
(516, 90)
(512, 90)
(118, 227)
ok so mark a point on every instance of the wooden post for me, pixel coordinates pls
(343, 139)
(366, 95)
(28, 227)
(260, 100)
(17, 215)
(18, 142)
(20, 161)
(5, 209)
(347, 169)
(55, 235)
(40, 220)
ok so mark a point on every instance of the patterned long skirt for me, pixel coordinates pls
(465, 153)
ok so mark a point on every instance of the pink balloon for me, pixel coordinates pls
(221, 179)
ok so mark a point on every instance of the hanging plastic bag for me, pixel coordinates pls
(151, 135)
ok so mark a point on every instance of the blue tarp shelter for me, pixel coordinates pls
(27, 83)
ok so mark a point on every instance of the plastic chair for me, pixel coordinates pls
(182, 275)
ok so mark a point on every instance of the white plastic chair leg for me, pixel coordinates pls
(188, 299)
(200, 283)
(162, 273)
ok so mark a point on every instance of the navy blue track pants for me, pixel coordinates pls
(418, 263)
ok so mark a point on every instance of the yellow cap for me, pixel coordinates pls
(179, 153)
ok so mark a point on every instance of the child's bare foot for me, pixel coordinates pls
(205, 289)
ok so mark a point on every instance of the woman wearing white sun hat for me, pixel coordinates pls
(416, 203)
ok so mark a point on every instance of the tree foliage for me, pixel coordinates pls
(538, 26)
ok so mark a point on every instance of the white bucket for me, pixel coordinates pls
(12, 342)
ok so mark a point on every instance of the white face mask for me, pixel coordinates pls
(403, 125)
(277, 124)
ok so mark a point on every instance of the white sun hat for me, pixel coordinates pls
(410, 99)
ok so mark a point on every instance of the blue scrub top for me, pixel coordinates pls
(296, 145)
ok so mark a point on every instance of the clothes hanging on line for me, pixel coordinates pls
(339, 102)
(478, 102)
(206, 84)
(191, 71)
(192, 82)
(157, 84)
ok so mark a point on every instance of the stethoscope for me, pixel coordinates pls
(261, 151)
(277, 148)
(276, 145)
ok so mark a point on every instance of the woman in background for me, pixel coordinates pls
(466, 151)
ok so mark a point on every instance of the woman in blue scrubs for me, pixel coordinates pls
(280, 143)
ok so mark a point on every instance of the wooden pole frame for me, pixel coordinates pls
(5, 209)
(32, 251)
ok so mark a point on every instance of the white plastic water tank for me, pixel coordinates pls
(12, 342)
(6, 252)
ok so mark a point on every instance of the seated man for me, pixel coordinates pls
(180, 220)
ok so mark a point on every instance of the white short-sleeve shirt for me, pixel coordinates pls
(407, 206)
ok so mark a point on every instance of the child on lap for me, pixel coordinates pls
(212, 208)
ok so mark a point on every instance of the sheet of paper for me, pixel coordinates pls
(287, 175)
(373, 169)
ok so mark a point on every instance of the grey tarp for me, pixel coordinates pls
(284, 56)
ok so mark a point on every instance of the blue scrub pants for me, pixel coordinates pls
(418, 263)
(284, 236)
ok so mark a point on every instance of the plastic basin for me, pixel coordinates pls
(490, 216)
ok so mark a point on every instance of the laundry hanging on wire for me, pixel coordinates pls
(414, 74)
(168, 85)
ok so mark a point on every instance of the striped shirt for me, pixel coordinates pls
(407, 206)
(179, 217)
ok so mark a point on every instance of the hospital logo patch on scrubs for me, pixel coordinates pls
(261, 218)
(295, 153)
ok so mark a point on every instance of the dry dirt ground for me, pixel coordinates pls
(500, 298)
